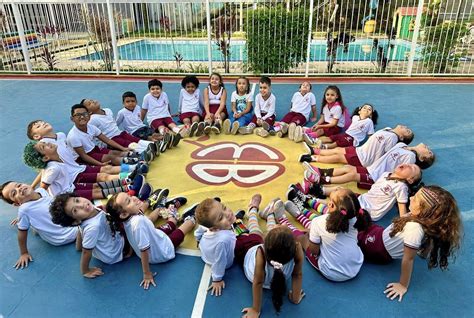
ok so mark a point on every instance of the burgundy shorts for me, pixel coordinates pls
(213, 109)
(366, 181)
(176, 235)
(270, 120)
(125, 139)
(189, 115)
(331, 131)
(244, 243)
(294, 117)
(371, 244)
(96, 153)
(84, 190)
(88, 176)
(157, 123)
(351, 157)
(342, 140)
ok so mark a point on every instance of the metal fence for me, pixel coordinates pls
(283, 37)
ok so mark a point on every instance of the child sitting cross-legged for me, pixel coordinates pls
(33, 211)
(153, 245)
(98, 240)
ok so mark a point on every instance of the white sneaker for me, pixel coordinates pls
(291, 131)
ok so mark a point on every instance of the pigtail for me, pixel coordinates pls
(278, 287)
(112, 214)
(364, 221)
(375, 116)
(349, 207)
(356, 111)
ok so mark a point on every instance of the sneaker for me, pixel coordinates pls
(284, 128)
(137, 183)
(130, 160)
(305, 158)
(262, 132)
(291, 208)
(311, 177)
(184, 132)
(176, 139)
(291, 131)
(177, 202)
(145, 191)
(158, 198)
(190, 212)
(171, 142)
(167, 138)
(217, 199)
(263, 214)
(272, 131)
(304, 186)
(148, 156)
(140, 168)
(207, 130)
(297, 197)
(216, 129)
(235, 128)
(317, 191)
(308, 148)
(193, 129)
(226, 126)
(240, 215)
(280, 134)
(200, 129)
(318, 143)
(298, 136)
(265, 125)
(312, 259)
(152, 147)
(255, 201)
(246, 130)
(313, 170)
(279, 209)
(308, 139)
(163, 145)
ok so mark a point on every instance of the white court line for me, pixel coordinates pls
(202, 292)
(188, 252)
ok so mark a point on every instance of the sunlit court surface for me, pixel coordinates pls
(439, 112)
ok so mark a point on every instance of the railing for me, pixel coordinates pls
(283, 37)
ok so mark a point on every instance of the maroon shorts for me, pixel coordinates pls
(213, 109)
(96, 153)
(176, 235)
(244, 243)
(351, 157)
(84, 190)
(270, 120)
(294, 117)
(366, 180)
(371, 244)
(125, 139)
(189, 115)
(157, 123)
(88, 176)
(331, 131)
(342, 140)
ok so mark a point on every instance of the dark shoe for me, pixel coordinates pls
(309, 149)
(177, 202)
(317, 191)
(163, 145)
(137, 183)
(207, 129)
(176, 139)
(189, 213)
(158, 198)
(152, 147)
(297, 197)
(193, 129)
(145, 191)
(216, 129)
(240, 214)
(140, 168)
(171, 142)
(305, 158)
(200, 129)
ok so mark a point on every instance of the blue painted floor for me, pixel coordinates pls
(441, 116)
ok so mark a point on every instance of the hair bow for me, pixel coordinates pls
(276, 265)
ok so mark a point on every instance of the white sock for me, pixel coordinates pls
(175, 129)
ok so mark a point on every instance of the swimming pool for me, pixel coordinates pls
(159, 50)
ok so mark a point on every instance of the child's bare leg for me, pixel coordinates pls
(325, 139)
(195, 119)
(330, 145)
(252, 224)
(117, 153)
(114, 160)
(335, 151)
(344, 175)
(187, 226)
(110, 169)
(330, 159)
(319, 133)
(107, 177)
(304, 241)
(186, 121)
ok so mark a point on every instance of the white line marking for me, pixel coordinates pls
(201, 295)
(188, 252)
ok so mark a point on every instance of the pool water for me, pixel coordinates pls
(360, 50)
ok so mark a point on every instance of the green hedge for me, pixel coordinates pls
(277, 39)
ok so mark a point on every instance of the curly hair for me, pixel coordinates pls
(202, 212)
(57, 209)
(190, 79)
(32, 158)
(280, 246)
(442, 227)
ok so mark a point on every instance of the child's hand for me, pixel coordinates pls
(217, 115)
(315, 127)
(294, 299)
(313, 119)
(259, 122)
(147, 280)
(395, 290)
(93, 272)
(14, 221)
(23, 261)
(108, 162)
(216, 288)
(208, 117)
(249, 312)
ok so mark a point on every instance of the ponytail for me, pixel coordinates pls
(112, 213)
(278, 286)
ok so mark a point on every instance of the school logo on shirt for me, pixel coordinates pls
(386, 189)
(380, 138)
(246, 165)
(394, 156)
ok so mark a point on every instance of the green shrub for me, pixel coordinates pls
(277, 39)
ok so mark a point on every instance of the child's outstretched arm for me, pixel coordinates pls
(206, 104)
(111, 143)
(296, 294)
(147, 274)
(222, 103)
(218, 271)
(85, 269)
(399, 289)
(313, 111)
(25, 256)
(257, 287)
(402, 209)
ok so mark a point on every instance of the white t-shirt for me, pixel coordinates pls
(36, 214)
(65, 152)
(376, 146)
(382, 196)
(359, 129)
(215, 99)
(249, 267)
(411, 236)
(302, 104)
(105, 123)
(264, 106)
(157, 107)
(97, 236)
(190, 103)
(333, 112)
(217, 249)
(388, 162)
(142, 235)
(129, 120)
(77, 138)
(340, 258)
(240, 101)
(59, 177)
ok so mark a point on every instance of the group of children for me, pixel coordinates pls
(102, 157)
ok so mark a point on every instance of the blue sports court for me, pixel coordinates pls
(440, 113)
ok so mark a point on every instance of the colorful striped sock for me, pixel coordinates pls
(304, 221)
(252, 224)
(271, 222)
(319, 206)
